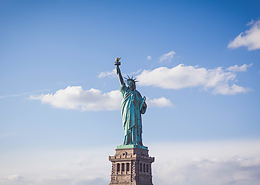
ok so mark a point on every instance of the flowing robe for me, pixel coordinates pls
(133, 105)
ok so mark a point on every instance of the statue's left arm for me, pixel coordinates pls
(143, 108)
(143, 105)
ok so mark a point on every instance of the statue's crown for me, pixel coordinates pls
(131, 78)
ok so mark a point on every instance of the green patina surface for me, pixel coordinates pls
(133, 105)
(131, 146)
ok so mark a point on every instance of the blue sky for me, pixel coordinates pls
(197, 62)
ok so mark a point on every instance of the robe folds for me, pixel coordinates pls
(133, 105)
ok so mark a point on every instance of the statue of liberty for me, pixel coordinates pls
(133, 105)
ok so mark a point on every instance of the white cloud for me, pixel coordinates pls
(167, 56)
(75, 98)
(149, 57)
(237, 68)
(226, 89)
(107, 73)
(89, 100)
(183, 76)
(159, 102)
(250, 38)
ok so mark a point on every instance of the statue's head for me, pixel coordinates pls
(131, 82)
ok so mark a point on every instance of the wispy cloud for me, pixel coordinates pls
(107, 73)
(13, 178)
(250, 38)
(6, 135)
(113, 73)
(134, 73)
(74, 97)
(167, 57)
(179, 77)
(237, 68)
(23, 94)
(149, 57)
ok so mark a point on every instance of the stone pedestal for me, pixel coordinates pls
(131, 166)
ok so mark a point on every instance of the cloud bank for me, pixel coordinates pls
(235, 171)
(250, 38)
(74, 97)
(179, 77)
(204, 163)
(227, 162)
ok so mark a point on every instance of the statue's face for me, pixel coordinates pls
(131, 84)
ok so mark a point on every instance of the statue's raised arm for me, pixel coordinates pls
(118, 72)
